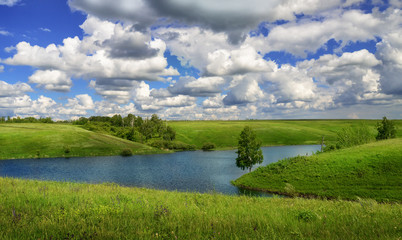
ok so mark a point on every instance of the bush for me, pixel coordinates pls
(132, 135)
(330, 148)
(386, 129)
(173, 145)
(290, 190)
(67, 149)
(306, 216)
(208, 146)
(126, 152)
(352, 136)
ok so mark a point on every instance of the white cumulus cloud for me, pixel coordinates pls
(246, 90)
(9, 3)
(53, 80)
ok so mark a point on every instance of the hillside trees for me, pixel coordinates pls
(131, 127)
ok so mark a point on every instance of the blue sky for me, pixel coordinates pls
(229, 59)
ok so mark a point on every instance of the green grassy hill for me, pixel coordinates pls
(26, 140)
(224, 134)
(30, 140)
(31, 209)
(369, 171)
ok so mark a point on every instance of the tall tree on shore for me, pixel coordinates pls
(249, 150)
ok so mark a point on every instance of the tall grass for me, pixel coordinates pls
(31, 209)
(353, 136)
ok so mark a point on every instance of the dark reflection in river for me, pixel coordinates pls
(183, 171)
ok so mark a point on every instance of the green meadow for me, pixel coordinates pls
(369, 175)
(372, 170)
(224, 134)
(31, 209)
(40, 140)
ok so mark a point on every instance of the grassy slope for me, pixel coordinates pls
(370, 171)
(23, 140)
(271, 132)
(31, 209)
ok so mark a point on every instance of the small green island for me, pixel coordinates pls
(347, 193)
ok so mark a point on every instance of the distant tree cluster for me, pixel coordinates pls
(131, 127)
(25, 120)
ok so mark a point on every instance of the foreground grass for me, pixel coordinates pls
(31, 140)
(369, 171)
(31, 209)
(224, 134)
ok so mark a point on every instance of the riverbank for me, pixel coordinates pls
(41, 140)
(31, 209)
(368, 171)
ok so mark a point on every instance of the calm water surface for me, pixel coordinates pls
(183, 171)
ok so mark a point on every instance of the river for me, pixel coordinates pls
(195, 171)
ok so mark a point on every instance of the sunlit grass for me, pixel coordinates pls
(31, 209)
(34, 140)
(224, 134)
(38, 140)
(369, 171)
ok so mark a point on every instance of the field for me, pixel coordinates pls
(372, 170)
(32, 140)
(224, 134)
(367, 174)
(32, 209)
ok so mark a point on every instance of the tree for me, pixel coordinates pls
(157, 125)
(386, 129)
(129, 120)
(147, 129)
(117, 120)
(249, 150)
(169, 134)
(138, 121)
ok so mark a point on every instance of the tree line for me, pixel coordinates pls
(25, 120)
(152, 131)
(131, 127)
